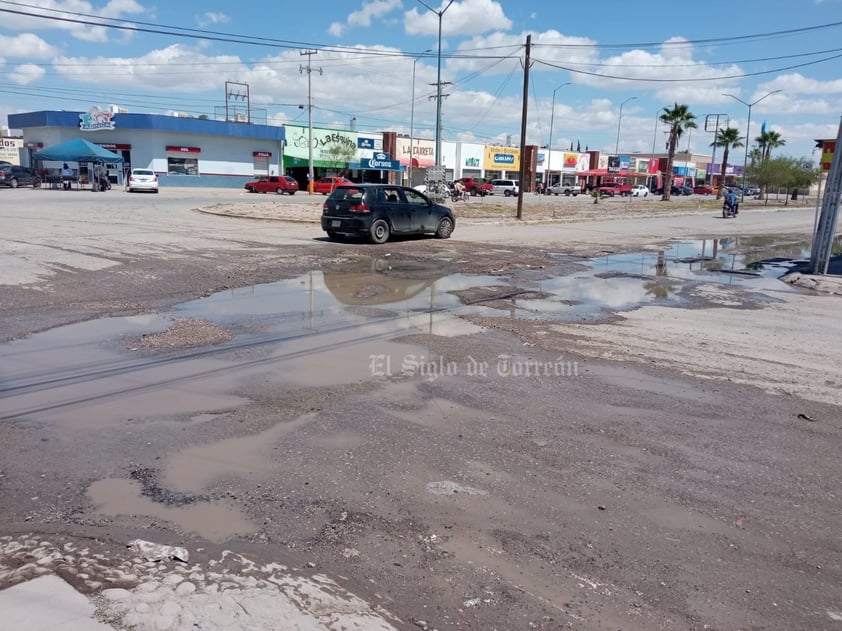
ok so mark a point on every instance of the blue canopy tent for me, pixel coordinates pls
(81, 151)
(77, 150)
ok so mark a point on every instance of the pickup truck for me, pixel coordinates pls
(565, 189)
(610, 189)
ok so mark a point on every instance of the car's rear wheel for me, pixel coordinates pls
(379, 231)
(335, 236)
(506, 193)
(445, 228)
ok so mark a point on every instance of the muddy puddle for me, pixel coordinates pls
(322, 328)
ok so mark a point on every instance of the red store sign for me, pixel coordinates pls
(176, 149)
(114, 146)
(262, 154)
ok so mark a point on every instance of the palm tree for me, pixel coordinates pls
(677, 119)
(768, 140)
(727, 137)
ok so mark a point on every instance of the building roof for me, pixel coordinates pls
(157, 122)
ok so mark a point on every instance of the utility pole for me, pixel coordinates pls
(309, 70)
(440, 13)
(826, 229)
(526, 63)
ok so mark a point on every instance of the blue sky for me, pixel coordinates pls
(644, 55)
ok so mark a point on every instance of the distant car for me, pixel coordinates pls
(564, 189)
(674, 190)
(507, 188)
(611, 189)
(686, 189)
(142, 180)
(476, 186)
(640, 190)
(752, 191)
(13, 176)
(273, 184)
(703, 189)
(326, 185)
(381, 210)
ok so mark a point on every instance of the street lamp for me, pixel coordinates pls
(619, 121)
(748, 134)
(550, 142)
(412, 112)
(439, 13)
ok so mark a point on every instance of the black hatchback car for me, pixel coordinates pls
(14, 176)
(381, 210)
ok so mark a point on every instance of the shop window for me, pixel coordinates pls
(182, 166)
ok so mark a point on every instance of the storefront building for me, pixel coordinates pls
(189, 152)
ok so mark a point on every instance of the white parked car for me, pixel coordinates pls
(142, 180)
(640, 190)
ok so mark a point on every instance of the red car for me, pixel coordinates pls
(477, 186)
(279, 184)
(326, 185)
(703, 189)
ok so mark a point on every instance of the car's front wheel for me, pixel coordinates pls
(379, 231)
(251, 189)
(13, 183)
(279, 191)
(445, 228)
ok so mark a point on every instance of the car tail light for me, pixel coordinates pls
(359, 208)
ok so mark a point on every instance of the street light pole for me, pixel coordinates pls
(619, 121)
(412, 113)
(654, 138)
(550, 141)
(748, 133)
(438, 81)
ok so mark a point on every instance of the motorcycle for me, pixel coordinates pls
(730, 208)
(104, 183)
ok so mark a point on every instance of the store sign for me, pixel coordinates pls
(365, 143)
(261, 154)
(179, 149)
(113, 146)
(423, 152)
(329, 146)
(96, 119)
(570, 161)
(828, 147)
(505, 158)
(380, 162)
(613, 164)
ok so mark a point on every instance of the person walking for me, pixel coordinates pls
(66, 177)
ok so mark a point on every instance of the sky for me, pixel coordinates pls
(600, 72)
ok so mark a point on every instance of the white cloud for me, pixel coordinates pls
(211, 17)
(47, 9)
(469, 17)
(371, 9)
(26, 45)
(26, 74)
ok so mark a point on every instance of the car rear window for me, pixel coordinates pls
(143, 172)
(344, 193)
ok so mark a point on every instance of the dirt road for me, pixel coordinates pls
(491, 432)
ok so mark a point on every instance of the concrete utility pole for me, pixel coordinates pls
(310, 171)
(526, 64)
(438, 81)
(823, 239)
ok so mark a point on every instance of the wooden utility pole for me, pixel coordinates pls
(526, 65)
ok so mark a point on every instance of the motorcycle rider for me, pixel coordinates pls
(732, 203)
